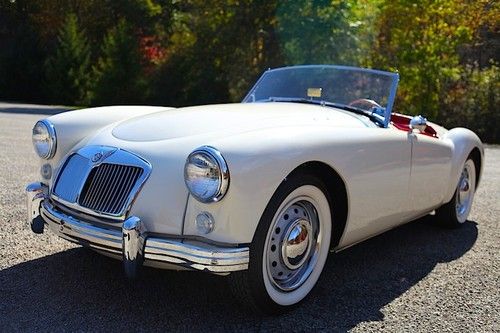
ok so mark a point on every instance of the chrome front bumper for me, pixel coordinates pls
(130, 240)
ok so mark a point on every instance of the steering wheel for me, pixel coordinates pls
(365, 104)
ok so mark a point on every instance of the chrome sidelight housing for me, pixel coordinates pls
(418, 123)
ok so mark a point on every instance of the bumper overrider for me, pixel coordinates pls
(130, 241)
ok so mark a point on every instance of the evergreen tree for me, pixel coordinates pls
(118, 73)
(68, 70)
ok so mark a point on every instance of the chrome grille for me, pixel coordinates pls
(108, 186)
(101, 181)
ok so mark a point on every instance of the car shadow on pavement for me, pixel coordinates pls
(81, 290)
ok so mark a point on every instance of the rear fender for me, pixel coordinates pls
(463, 142)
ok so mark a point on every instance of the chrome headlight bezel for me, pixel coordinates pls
(215, 157)
(51, 138)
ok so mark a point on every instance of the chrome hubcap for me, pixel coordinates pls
(464, 193)
(293, 245)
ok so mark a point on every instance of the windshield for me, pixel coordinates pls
(351, 88)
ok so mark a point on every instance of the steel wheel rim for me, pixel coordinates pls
(465, 192)
(293, 244)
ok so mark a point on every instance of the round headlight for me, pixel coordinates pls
(44, 139)
(206, 174)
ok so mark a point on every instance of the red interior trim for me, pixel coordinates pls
(402, 123)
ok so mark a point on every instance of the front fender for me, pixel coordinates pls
(74, 126)
(258, 162)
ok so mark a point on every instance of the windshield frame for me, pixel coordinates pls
(390, 99)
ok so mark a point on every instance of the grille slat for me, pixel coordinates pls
(108, 187)
(113, 176)
(127, 187)
(90, 198)
(100, 188)
(115, 187)
(122, 188)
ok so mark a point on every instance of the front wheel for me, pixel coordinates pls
(290, 247)
(454, 213)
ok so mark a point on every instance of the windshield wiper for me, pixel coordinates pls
(376, 118)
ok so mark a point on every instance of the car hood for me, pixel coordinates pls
(165, 137)
(227, 119)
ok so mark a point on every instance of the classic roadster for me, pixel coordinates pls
(313, 160)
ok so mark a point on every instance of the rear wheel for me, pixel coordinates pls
(454, 213)
(290, 247)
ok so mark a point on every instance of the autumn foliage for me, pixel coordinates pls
(90, 52)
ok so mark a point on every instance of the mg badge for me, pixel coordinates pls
(96, 157)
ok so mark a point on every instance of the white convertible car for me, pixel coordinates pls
(313, 160)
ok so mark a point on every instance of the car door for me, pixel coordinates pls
(430, 172)
(378, 178)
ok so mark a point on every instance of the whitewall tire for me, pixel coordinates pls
(290, 246)
(455, 212)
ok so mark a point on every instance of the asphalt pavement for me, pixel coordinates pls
(416, 278)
